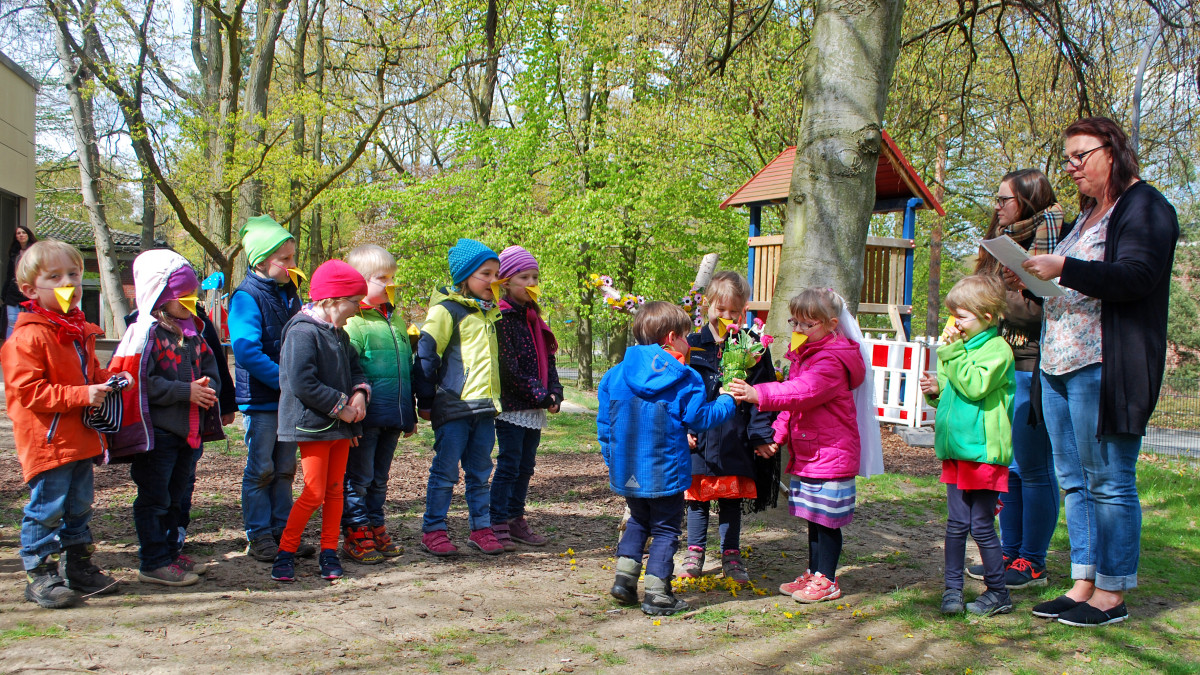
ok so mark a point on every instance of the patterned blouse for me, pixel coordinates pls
(1071, 331)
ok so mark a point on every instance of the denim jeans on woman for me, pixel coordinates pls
(1099, 478)
(469, 441)
(1030, 511)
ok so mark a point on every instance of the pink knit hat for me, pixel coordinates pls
(514, 260)
(336, 279)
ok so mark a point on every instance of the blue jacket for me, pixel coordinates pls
(647, 403)
(258, 310)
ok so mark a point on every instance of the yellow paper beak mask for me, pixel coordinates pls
(296, 275)
(64, 294)
(534, 292)
(189, 302)
(390, 289)
(723, 327)
(798, 340)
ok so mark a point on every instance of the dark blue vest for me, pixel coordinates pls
(276, 304)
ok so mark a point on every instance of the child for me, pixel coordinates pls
(819, 423)
(258, 310)
(457, 390)
(380, 339)
(647, 403)
(529, 388)
(974, 391)
(50, 377)
(179, 381)
(723, 457)
(323, 396)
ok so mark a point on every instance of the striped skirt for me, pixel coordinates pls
(825, 502)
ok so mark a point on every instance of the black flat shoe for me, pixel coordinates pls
(1087, 616)
(1052, 608)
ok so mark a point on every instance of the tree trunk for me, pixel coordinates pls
(491, 68)
(270, 18)
(77, 80)
(149, 210)
(315, 248)
(934, 296)
(299, 81)
(846, 77)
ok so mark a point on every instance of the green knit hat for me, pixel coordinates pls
(261, 235)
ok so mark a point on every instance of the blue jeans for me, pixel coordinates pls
(729, 523)
(162, 477)
(185, 501)
(469, 441)
(367, 476)
(658, 517)
(1099, 478)
(1030, 511)
(57, 515)
(267, 480)
(515, 462)
(13, 312)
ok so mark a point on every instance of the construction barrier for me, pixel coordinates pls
(898, 367)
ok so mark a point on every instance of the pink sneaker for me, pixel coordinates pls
(792, 586)
(819, 589)
(501, 532)
(485, 540)
(438, 543)
(519, 530)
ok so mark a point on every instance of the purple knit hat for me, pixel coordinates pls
(182, 281)
(514, 260)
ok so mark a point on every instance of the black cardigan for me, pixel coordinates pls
(1133, 284)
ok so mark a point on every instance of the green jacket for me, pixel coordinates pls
(976, 383)
(457, 372)
(386, 357)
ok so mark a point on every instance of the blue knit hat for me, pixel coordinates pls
(466, 256)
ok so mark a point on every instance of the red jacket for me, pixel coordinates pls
(47, 390)
(818, 420)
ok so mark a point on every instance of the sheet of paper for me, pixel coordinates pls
(1011, 255)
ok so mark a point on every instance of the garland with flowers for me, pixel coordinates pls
(628, 303)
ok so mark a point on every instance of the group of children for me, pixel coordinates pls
(339, 380)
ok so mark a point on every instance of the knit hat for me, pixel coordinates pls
(466, 256)
(514, 260)
(182, 282)
(336, 279)
(261, 235)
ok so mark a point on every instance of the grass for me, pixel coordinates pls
(25, 630)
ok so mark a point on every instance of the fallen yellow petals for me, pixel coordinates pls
(787, 614)
(657, 622)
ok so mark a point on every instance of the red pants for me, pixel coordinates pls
(324, 464)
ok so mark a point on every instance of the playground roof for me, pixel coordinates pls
(895, 182)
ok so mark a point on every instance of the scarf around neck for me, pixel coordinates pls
(70, 325)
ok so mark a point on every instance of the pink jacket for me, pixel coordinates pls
(818, 420)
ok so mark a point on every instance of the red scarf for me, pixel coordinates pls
(70, 325)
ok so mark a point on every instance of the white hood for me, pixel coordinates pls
(151, 271)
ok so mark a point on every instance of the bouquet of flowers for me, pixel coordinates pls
(742, 350)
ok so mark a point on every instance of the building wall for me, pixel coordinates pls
(18, 100)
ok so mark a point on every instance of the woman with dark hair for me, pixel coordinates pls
(1027, 211)
(23, 238)
(1103, 353)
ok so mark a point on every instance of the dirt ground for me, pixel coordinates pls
(536, 610)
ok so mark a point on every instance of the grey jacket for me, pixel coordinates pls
(169, 384)
(318, 372)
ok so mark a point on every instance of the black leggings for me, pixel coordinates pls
(824, 549)
(974, 512)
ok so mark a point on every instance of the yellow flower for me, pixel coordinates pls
(787, 614)
(869, 638)
(657, 622)
(908, 635)
(570, 551)
(572, 561)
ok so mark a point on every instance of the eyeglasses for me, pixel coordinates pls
(1076, 161)
(802, 327)
(1002, 201)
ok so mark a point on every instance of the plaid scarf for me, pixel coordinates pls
(70, 325)
(1043, 227)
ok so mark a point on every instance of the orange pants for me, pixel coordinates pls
(324, 464)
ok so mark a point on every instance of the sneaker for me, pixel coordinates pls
(284, 568)
(502, 536)
(693, 563)
(331, 567)
(485, 540)
(801, 581)
(438, 543)
(47, 589)
(169, 575)
(952, 601)
(186, 564)
(263, 548)
(383, 542)
(1051, 609)
(519, 530)
(976, 571)
(1087, 616)
(1022, 574)
(733, 568)
(991, 602)
(359, 545)
(819, 589)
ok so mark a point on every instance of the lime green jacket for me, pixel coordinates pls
(976, 383)
(457, 371)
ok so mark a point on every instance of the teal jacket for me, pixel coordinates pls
(976, 383)
(385, 353)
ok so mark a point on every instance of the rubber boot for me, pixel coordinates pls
(84, 577)
(625, 586)
(48, 589)
(660, 601)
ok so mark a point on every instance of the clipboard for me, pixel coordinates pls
(1011, 255)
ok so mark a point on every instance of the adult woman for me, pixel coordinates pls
(1103, 354)
(23, 238)
(1027, 211)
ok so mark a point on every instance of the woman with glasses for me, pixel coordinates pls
(1103, 351)
(1026, 210)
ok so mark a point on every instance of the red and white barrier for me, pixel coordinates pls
(898, 367)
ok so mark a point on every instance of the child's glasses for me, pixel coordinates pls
(802, 327)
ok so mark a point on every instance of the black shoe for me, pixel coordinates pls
(625, 584)
(976, 571)
(263, 549)
(660, 601)
(81, 575)
(990, 603)
(1088, 616)
(952, 601)
(1051, 609)
(48, 589)
(284, 568)
(1023, 574)
(331, 566)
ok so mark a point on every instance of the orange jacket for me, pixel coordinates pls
(46, 391)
